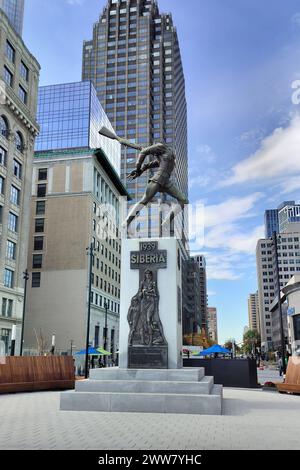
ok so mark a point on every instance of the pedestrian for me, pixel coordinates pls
(280, 365)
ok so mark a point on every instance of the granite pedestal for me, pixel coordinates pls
(185, 391)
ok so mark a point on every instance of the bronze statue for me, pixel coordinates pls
(164, 160)
(143, 316)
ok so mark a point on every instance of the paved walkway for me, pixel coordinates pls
(252, 419)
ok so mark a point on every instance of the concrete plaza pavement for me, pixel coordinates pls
(252, 419)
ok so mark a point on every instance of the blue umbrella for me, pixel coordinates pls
(91, 352)
(213, 350)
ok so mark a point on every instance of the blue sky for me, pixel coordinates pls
(240, 59)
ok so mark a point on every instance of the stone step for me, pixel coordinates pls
(139, 386)
(192, 374)
(143, 402)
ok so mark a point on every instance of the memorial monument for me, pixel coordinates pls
(150, 376)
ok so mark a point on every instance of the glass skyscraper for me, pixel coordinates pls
(14, 9)
(70, 116)
(271, 222)
(135, 64)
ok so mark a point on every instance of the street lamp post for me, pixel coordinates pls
(274, 238)
(13, 340)
(53, 344)
(105, 330)
(25, 277)
(90, 251)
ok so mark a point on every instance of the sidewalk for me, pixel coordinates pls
(252, 419)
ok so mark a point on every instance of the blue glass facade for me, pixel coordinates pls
(70, 116)
(271, 222)
(14, 9)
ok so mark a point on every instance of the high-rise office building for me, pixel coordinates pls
(18, 130)
(201, 261)
(212, 324)
(70, 116)
(271, 222)
(135, 64)
(191, 311)
(276, 220)
(253, 312)
(288, 213)
(75, 202)
(289, 264)
(14, 9)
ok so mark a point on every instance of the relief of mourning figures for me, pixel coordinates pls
(143, 316)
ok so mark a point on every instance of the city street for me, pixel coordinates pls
(250, 420)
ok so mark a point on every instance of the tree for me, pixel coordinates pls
(252, 341)
(228, 345)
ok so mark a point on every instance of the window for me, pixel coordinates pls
(15, 195)
(10, 52)
(7, 307)
(43, 174)
(38, 243)
(24, 71)
(11, 250)
(4, 127)
(12, 222)
(3, 156)
(40, 207)
(22, 94)
(8, 76)
(19, 141)
(8, 278)
(41, 190)
(2, 180)
(39, 225)
(17, 169)
(36, 280)
(37, 261)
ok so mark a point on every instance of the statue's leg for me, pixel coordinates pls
(173, 191)
(151, 190)
(182, 200)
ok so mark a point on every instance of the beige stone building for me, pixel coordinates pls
(18, 129)
(75, 201)
(253, 312)
(212, 323)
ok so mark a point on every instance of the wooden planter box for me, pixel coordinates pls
(32, 373)
(292, 379)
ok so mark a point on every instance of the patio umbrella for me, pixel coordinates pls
(103, 352)
(213, 350)
(91, 352)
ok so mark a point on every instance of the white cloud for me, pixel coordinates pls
(228, 245)
(252, 136)
(206, 154)
(278, 156)
(290, 184)
(231, 210)
(231, 237)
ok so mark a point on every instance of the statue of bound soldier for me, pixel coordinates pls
(164, 160)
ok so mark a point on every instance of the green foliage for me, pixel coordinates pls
(252, 341)
(228, 345)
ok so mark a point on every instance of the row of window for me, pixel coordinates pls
(105, 285)
(5, 130)
(15, 193)
(100, 301)
(11, 55)
(8, 77)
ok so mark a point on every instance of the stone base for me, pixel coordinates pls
(185, 391)
(147, 357)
